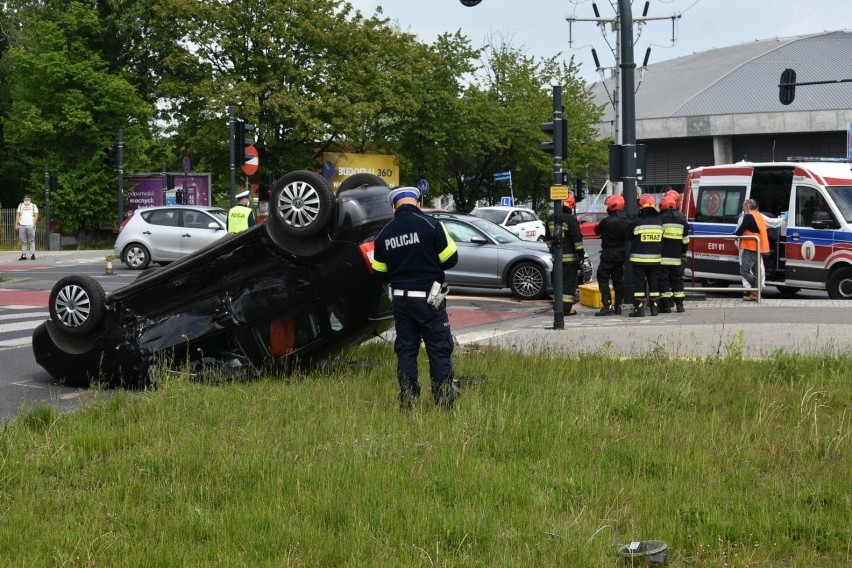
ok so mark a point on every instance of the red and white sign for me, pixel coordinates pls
(250, 167)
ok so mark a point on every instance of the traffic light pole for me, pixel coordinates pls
(558, 144)
(120, 176)
(233, 156)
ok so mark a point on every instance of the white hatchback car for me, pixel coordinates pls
(165, 234)
(518, 220)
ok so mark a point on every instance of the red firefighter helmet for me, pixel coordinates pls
(569, 201)
(614, 203)
(647, 200)
(674, 195)
(668, 202)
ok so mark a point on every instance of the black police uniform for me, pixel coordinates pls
(646, 234)
(573, 253)
(612, 231)
(675, 245)
(412, 252)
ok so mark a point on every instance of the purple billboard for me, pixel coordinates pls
(149, 190)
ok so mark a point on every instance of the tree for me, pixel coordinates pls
(66, 106)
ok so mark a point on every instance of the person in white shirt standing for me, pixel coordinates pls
(25, 223)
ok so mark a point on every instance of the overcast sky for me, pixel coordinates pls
(541, 29)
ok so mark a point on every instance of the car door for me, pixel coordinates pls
(197, 233)
(529, 226)
(807, 247)
(478, 256)
(164, 234)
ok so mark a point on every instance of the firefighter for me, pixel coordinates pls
(675, 245)
(612, 230)
(646, 235)
(572, 252)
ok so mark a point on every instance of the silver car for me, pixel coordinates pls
(492, 257)
(165, 234)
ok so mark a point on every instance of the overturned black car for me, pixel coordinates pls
(295, 289)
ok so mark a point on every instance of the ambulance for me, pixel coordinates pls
(812, 203)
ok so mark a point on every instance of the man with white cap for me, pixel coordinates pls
(241, 216)
(411, 253)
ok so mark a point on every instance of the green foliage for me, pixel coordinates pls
(547, 461)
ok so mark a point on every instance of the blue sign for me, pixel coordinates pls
(503, 176)
(506, 201)
(423, 186)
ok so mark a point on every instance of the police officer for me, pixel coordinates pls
(573, 251)
(612, 231)
(241, 216)
(412, 252)
(675, 245)
(646, 234)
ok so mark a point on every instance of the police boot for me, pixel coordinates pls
(679, 305)
(638, 310)
(568, 309)
(446, 392)
(655, 310)
(617, 305)
(665, 305)
(409, 392)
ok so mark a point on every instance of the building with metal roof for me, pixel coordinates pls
(722, 105)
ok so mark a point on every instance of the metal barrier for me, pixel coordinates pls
(9, 239)
(758, 276)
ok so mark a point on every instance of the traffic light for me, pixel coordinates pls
(558, 138)
(111, 157)
(787, 88)
(170, 181)
(51, 182)
(579, 190)
(243, 136)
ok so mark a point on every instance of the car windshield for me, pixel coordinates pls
(496, 232)
(220, 214)
(842, 195)
(493, 215)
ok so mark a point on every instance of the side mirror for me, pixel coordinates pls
(214, 225)
(478, 240)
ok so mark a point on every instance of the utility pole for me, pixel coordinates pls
(623, 19)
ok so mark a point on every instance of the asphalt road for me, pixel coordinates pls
(716, 323)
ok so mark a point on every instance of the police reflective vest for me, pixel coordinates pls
(646, 234)
(751, 244)
(675, 237)
(238, 218)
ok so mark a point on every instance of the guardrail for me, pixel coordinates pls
(9, 239)
(758, 276)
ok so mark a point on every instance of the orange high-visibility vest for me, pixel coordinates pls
(748, 244)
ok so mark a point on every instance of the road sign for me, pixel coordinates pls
(558, 192)
(423, 186)
(506, 201)
(250, 167)
(186, 165)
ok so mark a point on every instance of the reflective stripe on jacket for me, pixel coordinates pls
(238, 218)
(750, 244)
(646, 235)
(675, 237)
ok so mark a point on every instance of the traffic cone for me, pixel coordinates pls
(108, 271)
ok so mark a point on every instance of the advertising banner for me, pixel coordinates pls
(147, 190)
(336, 167)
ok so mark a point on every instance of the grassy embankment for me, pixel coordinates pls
(549, 461)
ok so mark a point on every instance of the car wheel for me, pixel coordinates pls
(714, 283)
(77, 304)
(357, 180)
(839, 284)
(789, 290)
(136, 257)
(302, 204)
(527, 280)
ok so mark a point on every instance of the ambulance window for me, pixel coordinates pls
(719, 204)
(808, 200)
(842, 196)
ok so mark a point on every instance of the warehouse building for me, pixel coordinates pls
(722, 106)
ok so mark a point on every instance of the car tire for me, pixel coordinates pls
(77, 305)
(839, 285)
(136, 256)
(527, 281)
(357, 180)
(302, 204)
(789, 290)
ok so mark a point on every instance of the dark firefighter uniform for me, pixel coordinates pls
(646, 235)
(675, 245)
(411, 253)
(612, 231)
(573, 252)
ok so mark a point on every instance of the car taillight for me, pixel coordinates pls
(368, 249)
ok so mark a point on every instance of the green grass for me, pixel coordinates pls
(549, 461)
